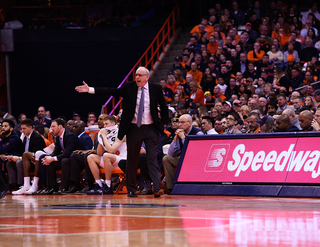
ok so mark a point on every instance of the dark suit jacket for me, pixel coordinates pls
(70, 142)
(86, 141)
(36, 143)
(129, 93)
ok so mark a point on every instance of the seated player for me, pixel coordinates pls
(116, 150)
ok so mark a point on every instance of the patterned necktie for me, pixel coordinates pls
(141, 108)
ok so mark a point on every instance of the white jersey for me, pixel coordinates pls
(112, 133)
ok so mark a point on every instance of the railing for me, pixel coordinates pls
(150, 56)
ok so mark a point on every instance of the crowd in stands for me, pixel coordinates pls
(261, 79)
(238, 62)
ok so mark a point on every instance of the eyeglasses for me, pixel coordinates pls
(230, 118)
(182, 122)
(217, 123)
(140, 75)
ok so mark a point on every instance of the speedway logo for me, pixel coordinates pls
(217, 158)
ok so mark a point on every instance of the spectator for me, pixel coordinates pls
(207, 125)
(280, 81)
(171, 83)
(305, 120)
(296, 78)
(232, 121)
(212, 45)
(196, 74)
(314, 10)
(177, 65)
(256, 54)
(316, 96)
(283, 103)
(316, 121)
(237, 13)
(275, 55)
(266, 124)
(4, 114)
(308, 102)
(307, 53)
(253, 125)
(92, 118)
(292, 117)
(167, 92)
(283, 124)
(196, 94)
(218, 126)
(170, 161)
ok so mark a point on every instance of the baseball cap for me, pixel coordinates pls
(207, 93)
(290, 58)
(317, 92)
(238, 104)
(266, 119)
(227, 102)
(177, 59)
(248, 24)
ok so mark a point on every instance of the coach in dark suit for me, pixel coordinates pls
(66, 142)
(139, 123)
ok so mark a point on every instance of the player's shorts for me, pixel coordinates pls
(115, 164)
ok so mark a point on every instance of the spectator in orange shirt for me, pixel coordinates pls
(217, 93)
(197, 74)
(172, 83)
(212, 45)
(256, 54)
(196, 94)
(203, 26)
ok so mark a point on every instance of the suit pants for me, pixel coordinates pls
(169, 165)
(151, 138)
(78, 163)
(51, 170)
(15, 172)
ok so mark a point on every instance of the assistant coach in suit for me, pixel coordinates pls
(148, 131)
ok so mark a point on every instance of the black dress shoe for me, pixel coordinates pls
(144, 191)
(84, 190)
(132, 194)
(61, 191)
(3, 193)
(158, 193)
(48, 191)
(39, 191)
(73, 189)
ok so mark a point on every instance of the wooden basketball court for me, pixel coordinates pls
(176, 220)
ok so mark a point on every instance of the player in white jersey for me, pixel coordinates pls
(116, 150)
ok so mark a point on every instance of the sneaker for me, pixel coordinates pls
(33, 189)
(20, 191)
(97, 190)
(107, 190)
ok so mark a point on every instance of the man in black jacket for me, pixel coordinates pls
(19, 166)
(140, 122)
(65, 143)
